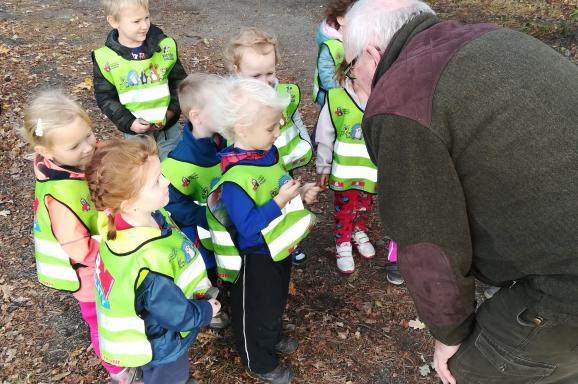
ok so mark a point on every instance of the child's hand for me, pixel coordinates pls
(309, 192)
(140, 126)
(215, 305)
(287, 192)
(323, 180)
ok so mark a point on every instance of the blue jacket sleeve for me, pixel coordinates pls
(167, 305)
(184, 211)
(245, 215)
(326, 68)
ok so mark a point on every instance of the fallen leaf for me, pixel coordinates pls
(424, 370)
(416, 324)
(86, 85)
(5, 212)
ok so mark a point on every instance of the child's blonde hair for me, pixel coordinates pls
(113, 7)
(194, 91)
(234, 108)
(253, 38)
(115, 174)
(49, 110)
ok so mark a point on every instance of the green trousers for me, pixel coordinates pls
(512, 345)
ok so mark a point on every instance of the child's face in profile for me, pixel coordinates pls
(262, 132)
(257, 65)
(132, 23)
(72, 144)
(154, 193)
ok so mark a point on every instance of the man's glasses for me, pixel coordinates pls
(349, 68)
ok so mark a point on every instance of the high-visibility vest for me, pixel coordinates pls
(351, 168)
(54, 267)
(195, 181)
(142, 85)
(335, 47)
(294, 151)
(121, 332)
(281, 235)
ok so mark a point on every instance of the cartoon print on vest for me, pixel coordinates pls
(103, 282)
(143, 77)
(189, 251)
(153, 73)
(356, 133)
(341, 111)
(132, 78)
(85, 205)
(185, 182)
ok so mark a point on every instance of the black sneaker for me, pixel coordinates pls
(298, 257)
(280, 375)
(393, 275)
(286, 345)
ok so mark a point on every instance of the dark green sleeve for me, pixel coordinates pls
(422, 207)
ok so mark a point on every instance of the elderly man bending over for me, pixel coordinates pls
(474, 130)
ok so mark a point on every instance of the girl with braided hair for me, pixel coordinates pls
(151, 282)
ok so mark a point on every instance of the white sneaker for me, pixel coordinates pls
(364, 246)
(345, 262)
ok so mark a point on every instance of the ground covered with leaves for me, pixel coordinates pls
(356, 329)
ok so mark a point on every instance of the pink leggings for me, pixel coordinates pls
(88, 310)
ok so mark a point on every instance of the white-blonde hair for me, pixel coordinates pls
(235, 106)
(375, 22)
(113, 7)
(48, 110)
(198, 90)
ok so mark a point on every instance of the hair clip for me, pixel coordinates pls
(108, 212)
(39, 131)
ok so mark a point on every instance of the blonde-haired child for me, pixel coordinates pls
(136, 74)
(257, 218)
(253, 53)
(60, 132)
(148, 272)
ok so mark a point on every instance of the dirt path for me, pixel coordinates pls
(352, 330)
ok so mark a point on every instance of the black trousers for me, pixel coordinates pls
(512, 345)
(258, 300)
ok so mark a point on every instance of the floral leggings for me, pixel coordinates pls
(351, 213)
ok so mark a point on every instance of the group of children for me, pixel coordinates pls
(144, 229)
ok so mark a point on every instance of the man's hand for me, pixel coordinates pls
(442, 355)
(140, 126)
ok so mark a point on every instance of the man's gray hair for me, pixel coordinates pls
(374, 22)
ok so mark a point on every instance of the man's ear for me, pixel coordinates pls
(43, 151)
(112, 21)
(375, 54)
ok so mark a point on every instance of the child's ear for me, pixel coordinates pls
(126, 206)
(112, 21)
(235, 68)
(340, 21)
(194, 116)
(43, 151)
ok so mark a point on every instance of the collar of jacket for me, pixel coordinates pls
(151, 43)
(402, 37)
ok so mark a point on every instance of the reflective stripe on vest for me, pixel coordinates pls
(122, 336)
(280, 236)
(53, 265)
(295, 151)
(195, 181)
(142, 85)
(351, 167)
(337, 54)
